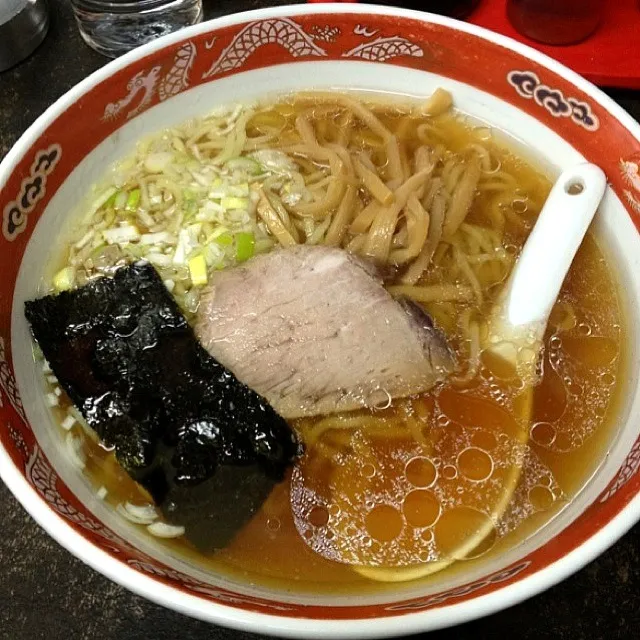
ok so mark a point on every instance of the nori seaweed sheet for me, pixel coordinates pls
(207, 448)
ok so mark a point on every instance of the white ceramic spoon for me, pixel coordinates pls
(519, 319)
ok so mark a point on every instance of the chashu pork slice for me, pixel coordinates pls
(313, 330)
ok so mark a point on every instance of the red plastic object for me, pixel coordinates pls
(610, 57)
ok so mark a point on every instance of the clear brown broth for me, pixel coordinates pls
(575, 405)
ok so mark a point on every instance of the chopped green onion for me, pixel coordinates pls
(158, 162)
(120, 200)
(146, 218)
(64, 279)
(241, 190)
(160, 237)
(198, 270)
(224, 239)
(208, 228)
(217, 232)
(214, 254)
(104, 197)
(132, 200)
(68, 422)
(158, 259)
(109, 204)
(136, 251)
(121, 235)
(97, 250)
(234, 203)
(245, 246)
(190, 209)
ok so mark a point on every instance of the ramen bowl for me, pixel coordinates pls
(547, 109)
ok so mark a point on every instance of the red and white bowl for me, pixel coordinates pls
(511, 87)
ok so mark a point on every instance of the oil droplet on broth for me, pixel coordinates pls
(273, 524)
(464, 533)
(584, 329)
(443, 421)
(469, 410)
(421, 508)
(421, 472)
(511, 249)
(318, 517)
(608, 379)
(475, 464)
(427, 535)
(484, 440)
(368, 470)
(449, 472)
(519, 206)
(541, 498)
(600, 411)
(543, 433)
(384, 523)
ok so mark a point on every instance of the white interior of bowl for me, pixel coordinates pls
(613, 225)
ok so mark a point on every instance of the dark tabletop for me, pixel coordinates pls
(47, 593)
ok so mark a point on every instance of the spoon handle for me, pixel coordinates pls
(552, 245)
(519, 318)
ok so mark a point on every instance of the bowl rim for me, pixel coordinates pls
(171, 597)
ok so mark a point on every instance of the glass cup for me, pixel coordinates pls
(452, 8)
(113, 27)
(556, 22)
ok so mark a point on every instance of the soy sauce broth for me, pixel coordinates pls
(461, 431)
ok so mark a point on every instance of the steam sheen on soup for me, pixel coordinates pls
(416, 485)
